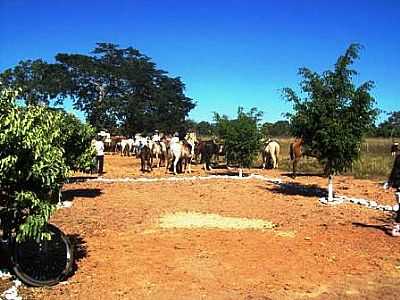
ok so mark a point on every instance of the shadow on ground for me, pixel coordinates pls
(80, 249)
(386, 228)
(304, 175)
(386, 224)
(69, 195)
(297, 189)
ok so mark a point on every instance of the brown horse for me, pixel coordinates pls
(146, 160)
(298, 150)
(295, 152)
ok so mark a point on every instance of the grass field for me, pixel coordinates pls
(375, 160)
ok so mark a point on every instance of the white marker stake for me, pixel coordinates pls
(330, 188)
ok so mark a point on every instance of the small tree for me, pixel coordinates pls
(241, 136)
(75, 140)
(335, 114)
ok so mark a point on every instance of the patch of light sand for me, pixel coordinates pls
(201, 220)
(288, 234)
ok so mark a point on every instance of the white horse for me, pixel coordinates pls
(271, 150)
(158, 151)
(180, 150)
(127, 146)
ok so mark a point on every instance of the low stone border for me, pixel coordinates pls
(338, 199)
(363, 202)
(188, 178)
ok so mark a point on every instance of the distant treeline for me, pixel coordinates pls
(388, 128)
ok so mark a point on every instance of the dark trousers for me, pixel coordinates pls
(397, 218)
(100, 163)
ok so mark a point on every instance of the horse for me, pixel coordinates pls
(158, 151)
(127, 146)
(146, 160)
(116, 143)
(191, 139)
(206, 150)
(271, 151)
(179, 151)
(295, 152)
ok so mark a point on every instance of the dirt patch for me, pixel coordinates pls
(316, 252)
(212, 221)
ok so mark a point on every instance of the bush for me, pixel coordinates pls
(75, 140)
(35, 157)
(241, 136)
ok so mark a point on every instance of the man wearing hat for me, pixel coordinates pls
(99, 145)
(156, 137)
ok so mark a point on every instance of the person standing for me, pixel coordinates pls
(394, 182)
(99, 155)
(156, 137)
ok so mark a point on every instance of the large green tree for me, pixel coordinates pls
(38, 82)
(335, 113)
(119, 89)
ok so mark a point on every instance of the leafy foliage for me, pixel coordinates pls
(34, 161)
(119, 89)
(38, 81)
(241, 136)
(390, 127)
(76, 140)
(335, 114)
(205, 128)
(277, 129)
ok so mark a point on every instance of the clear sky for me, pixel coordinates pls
(228, 53)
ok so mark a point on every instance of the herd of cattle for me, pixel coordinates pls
(178, 155)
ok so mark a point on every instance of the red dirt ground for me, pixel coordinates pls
(315, 252)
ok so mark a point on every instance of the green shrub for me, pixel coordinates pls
(36, 153)
(241, 136)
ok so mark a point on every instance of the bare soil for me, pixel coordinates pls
(313, 251)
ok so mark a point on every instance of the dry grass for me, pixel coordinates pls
(375, 160)
(200, 220)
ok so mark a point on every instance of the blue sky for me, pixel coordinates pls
(228, 53)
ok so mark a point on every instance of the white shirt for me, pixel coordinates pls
(99, 148)
(156, 138)
(175, 139)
